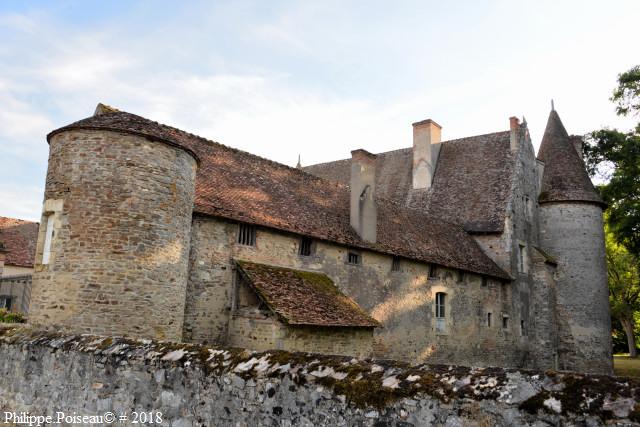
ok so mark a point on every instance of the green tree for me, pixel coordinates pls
(624, 288)
(615, 157)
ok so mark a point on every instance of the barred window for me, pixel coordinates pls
(353, 258)
(246, 234)
(395, 263)
(306, 246)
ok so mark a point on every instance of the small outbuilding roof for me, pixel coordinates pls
(303, 297)
(19, 238)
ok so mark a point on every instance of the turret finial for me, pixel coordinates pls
(299, 165)
(552, 107)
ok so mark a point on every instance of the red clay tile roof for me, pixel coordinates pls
(304, 298)
(470, 186)
(243, 187)
(19, 238)
(565, 177)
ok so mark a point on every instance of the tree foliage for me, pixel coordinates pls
(615, 156)
(624, 288)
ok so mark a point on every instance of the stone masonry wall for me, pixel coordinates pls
(260, 332)
(122, 209)
(574, 234)
(402, 301)
(189, 385)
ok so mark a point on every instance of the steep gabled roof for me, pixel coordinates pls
(565, 178)
(19, 238)
(303, 297)
(470, 186)
(243, 187)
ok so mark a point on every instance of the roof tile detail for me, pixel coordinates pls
(19, 238)
(565, 177)
(304, 298)
(243, 187)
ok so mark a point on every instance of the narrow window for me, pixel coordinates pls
(353, 258)
(521, 256)
(246, 234)
(433, 271)
(484, 281)
(523, 330)
(48, 237)
(505, 322)
(460, 276)
(488, 320)
(440, 302)
(395, 263)
(306, 246)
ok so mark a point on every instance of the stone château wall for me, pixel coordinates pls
(190, 385)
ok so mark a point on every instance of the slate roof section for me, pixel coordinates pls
(243, 187)
(19, 238)
(304, 298)
(471, 183)
(565, 178)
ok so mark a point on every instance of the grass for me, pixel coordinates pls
(624, 366)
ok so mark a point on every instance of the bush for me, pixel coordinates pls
(10, 317)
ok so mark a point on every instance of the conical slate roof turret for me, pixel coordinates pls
(565, 177)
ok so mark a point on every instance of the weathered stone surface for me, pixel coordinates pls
(44, 372)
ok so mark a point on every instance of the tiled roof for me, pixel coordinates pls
(470, 186)
(19, 238)
(304, 298)
(565, 177)
(240, 186)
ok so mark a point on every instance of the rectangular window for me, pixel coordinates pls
(488, 320)
(523, 330)
(460, 276)
(48, 237)
(521, 260)
(484, 281)
(505, 322)
(306, 245)
(433, 271)
(395, 264)
(353, 258)
(246, 235)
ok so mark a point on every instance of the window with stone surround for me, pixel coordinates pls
(354, 258)
(505, 321)
(48, 238)
(522, 259)
(246, 235)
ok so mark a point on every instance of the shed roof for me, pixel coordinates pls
(303, 297)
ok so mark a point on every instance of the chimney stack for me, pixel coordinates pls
(514, 126)
(425, 133)
(363, 216)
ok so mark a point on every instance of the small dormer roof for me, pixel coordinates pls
(565, 177)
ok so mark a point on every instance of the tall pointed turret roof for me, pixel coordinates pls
(565, 177)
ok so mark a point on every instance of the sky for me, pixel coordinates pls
(315, 79)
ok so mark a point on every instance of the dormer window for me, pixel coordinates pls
(246, 235)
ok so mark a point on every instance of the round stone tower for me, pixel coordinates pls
(112, 254)
(571, 229)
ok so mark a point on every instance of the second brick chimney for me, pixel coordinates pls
(363, 215)
(425, 134)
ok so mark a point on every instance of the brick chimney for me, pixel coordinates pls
(363, 216)
(425, 133)
(514, 127)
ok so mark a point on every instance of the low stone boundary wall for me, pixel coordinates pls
(45, 373)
